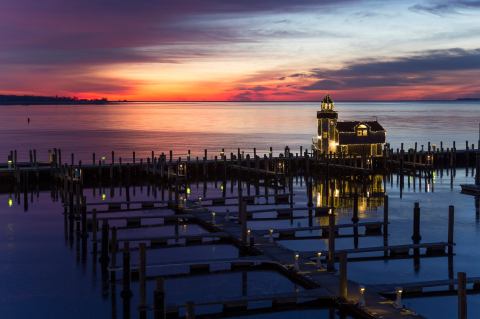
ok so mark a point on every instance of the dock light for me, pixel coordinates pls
(270, 231)
(248, 236)
(319, 259)
(398, 300)
(221, 187)
(104, 196)
(296, 265)
(200, 200)
(10, 162)
(361, 302)
(188, 190)
(10, 202)
(330, 211)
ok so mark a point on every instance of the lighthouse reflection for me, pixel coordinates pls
(339, 193)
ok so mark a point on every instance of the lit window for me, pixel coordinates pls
(325, 134)
(362, 130)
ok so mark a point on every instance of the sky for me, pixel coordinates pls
(241, 50)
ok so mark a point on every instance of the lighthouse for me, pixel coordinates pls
(327, 138)
(357, 138)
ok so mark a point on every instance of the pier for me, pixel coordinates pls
(260, 190)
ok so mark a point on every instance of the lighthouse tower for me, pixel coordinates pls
(327, 138)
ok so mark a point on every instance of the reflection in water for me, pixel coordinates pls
(143, 127)
(340, 192)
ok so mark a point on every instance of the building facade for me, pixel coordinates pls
(359, 138)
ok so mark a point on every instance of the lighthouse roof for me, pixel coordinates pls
(327, 99)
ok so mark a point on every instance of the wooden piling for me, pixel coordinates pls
(462, 295)
(477, 169)
(159, 310)
(243, 220)
(113, 247)
(416, 224)
(126, 276)
(451, 223)
(331, 241)
(385, 216)
(142, 280)
(94, 230)
(105, 233)
(343, 275)
(189, 310)
(309, 192)
(355, 209)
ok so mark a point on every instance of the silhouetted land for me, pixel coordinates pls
(469, 99)
(46, 100)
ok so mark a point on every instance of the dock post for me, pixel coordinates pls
(142, 282)
(477, 169)
(126, 292)
(451, 222)
(319, 260)
(113, 247)
(385, 216)
(331, 241)
(104, 256)
(189, 310)
(243, 220)
(343, 275)
(309, 192)
(94, 230)
(355, 209)
(416, 224)
(159, 311)
(83, 208)
(296, 264)
(462, 295)
(416, 237)
(398, 299)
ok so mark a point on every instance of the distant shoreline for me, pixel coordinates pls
(27, 100)
(48, 100)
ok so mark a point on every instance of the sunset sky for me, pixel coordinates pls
(241, 49)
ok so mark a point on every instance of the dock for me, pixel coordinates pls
(260, 189)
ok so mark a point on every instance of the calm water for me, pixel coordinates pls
(143, 127)
(43, 275)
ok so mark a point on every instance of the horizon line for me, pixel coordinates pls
(287, 101)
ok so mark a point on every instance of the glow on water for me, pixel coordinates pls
(143, 127)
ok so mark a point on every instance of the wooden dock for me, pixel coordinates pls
(261, 189)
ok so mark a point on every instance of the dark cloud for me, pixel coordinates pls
(426, 68)
(102, 30)
(443, 7)
(257, 88)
